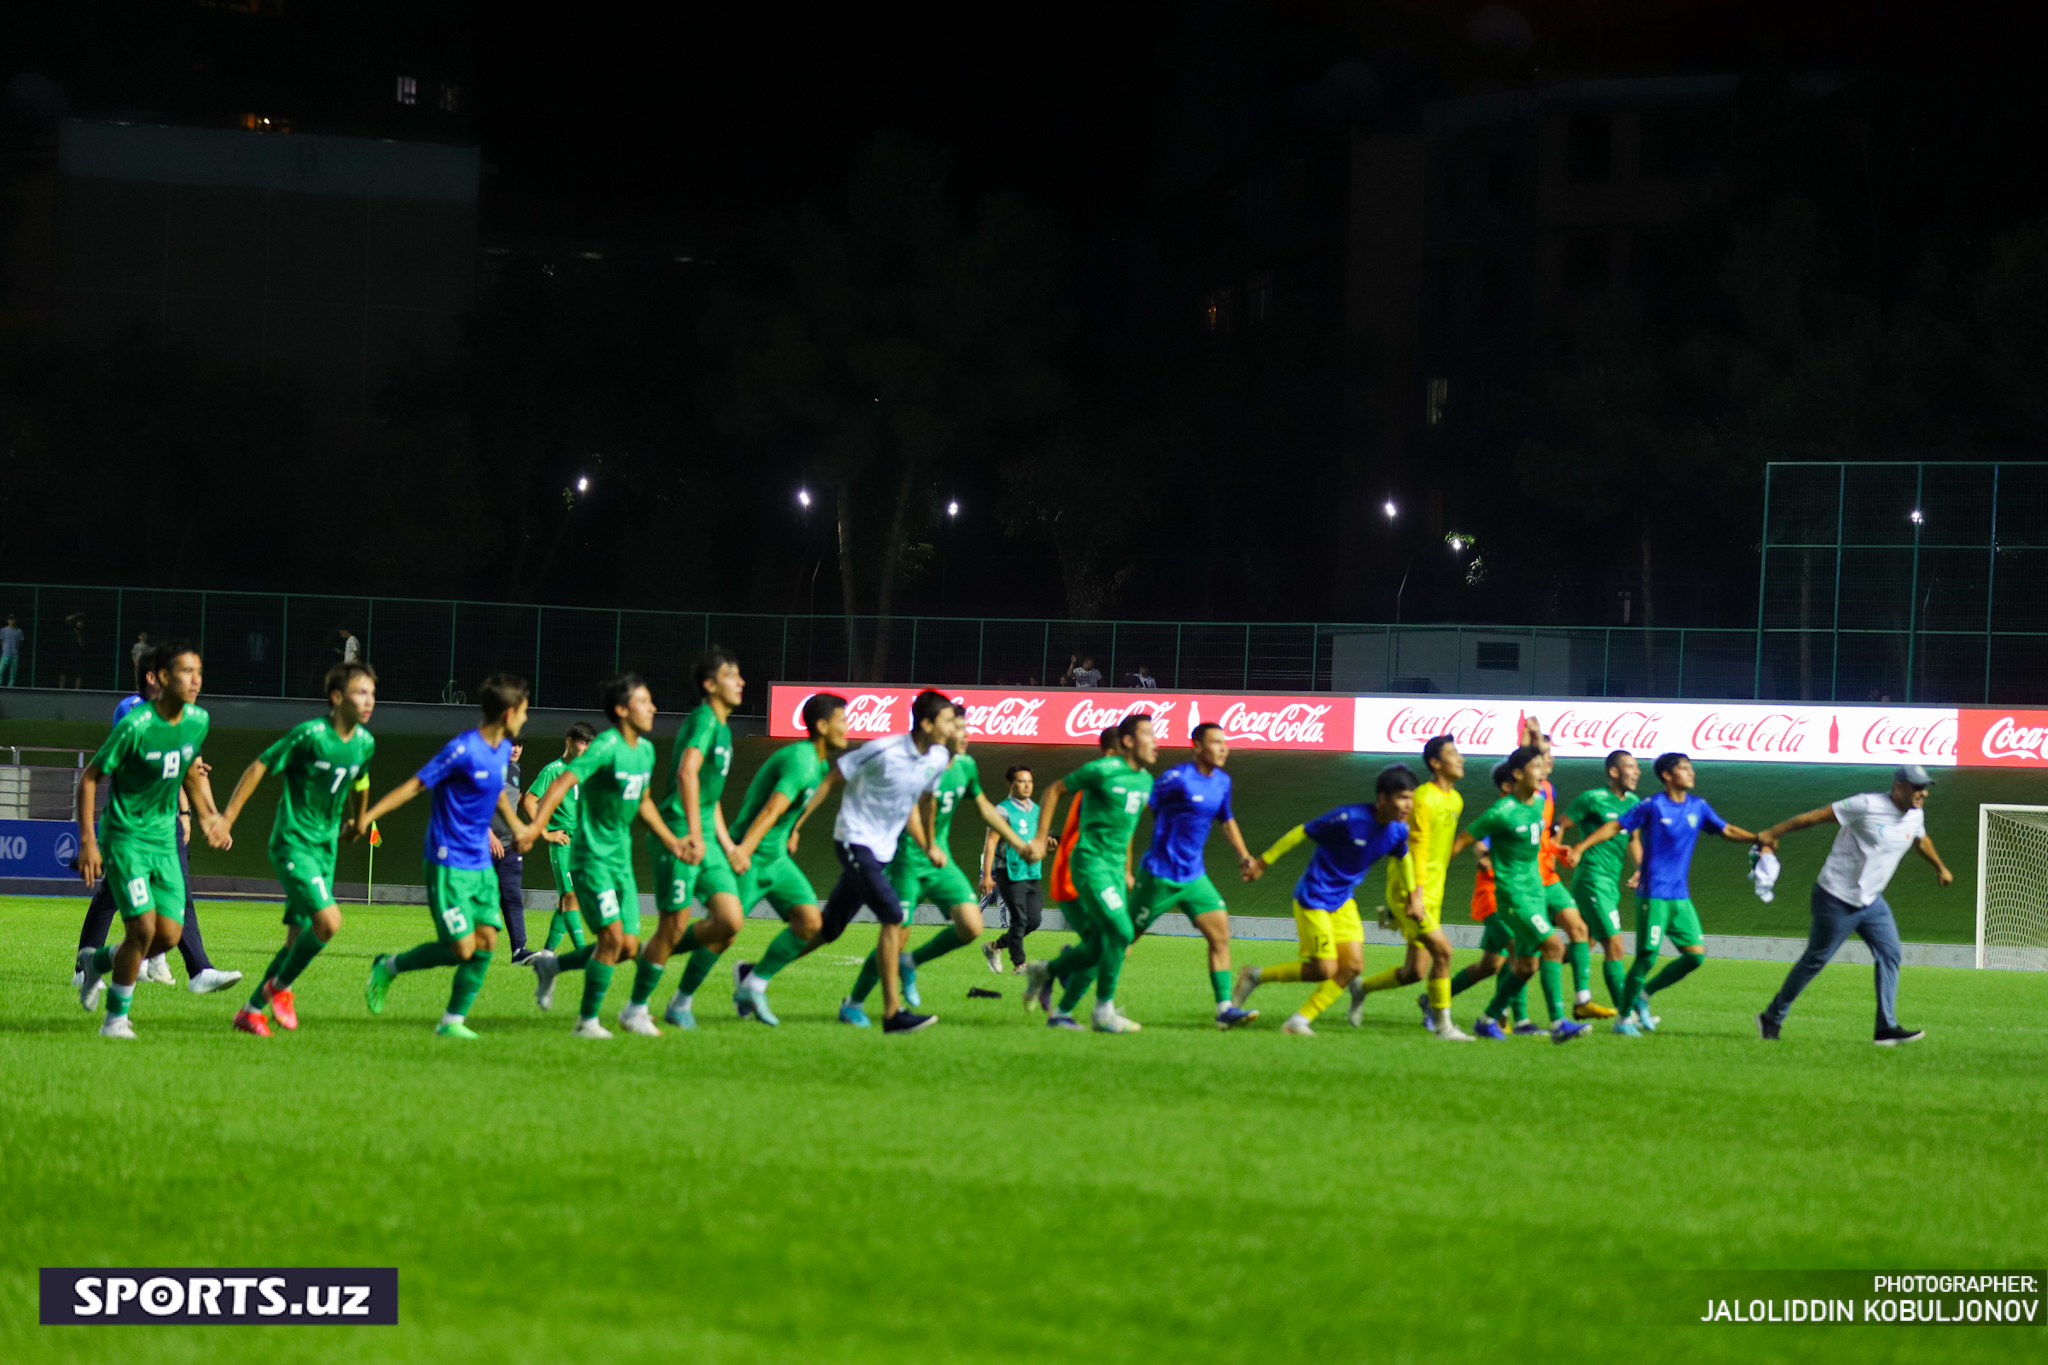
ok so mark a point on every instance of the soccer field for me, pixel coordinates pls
(993, 1190)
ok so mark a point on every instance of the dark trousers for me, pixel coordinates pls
(862, 881)
(1024, 904)
(1833, 921)
(99, 917)
(511, 871)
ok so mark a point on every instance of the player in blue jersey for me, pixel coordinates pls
(467, 778)
(1187, 802)
(1348, 840)
(1670, 823)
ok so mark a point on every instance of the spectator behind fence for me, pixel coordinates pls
(350, 648)
(11, 638)
(1083, 673)
(1142, 678)
(138, 652)
(71, 659)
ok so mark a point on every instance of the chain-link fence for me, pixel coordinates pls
(1904, 582)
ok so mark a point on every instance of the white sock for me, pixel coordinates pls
(1221, 1005)
(683, 1002)
(755, 982)
(451, 1019)
(1297, 1015)
(1583, 997)
(1443, 1017)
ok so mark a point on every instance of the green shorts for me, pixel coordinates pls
(145, 879)
(917, 881)
(460, 899)
(1530, 927)
(677, 883)
(307, 876)
(558, 863)
(1156, 896)
(1104, 902)
(1659, 922)
(1599, 905)
(607, 894)
(1496, 937)
(779, 881)
(1557, 896)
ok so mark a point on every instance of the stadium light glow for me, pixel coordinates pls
(1457, 544)
(1915, 517)
(1388, 508)
(803, 496)
(583, 485)
(952, 509)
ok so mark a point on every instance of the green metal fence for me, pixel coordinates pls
(1921, 582)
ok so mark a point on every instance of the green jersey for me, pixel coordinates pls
(1514, 831)
(145, 760)
(705, 732)
(318, 770)
(960, 780)
(1602, 862)
(1117, 794)
(794, 771)
(565, 814)
(614, 776)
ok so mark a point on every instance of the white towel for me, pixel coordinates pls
(1763, 874)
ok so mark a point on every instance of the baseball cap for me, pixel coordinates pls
(1912, 774)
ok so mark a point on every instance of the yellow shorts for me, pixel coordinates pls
(1321, 931)
(1414, 930)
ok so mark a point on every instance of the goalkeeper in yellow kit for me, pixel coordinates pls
(1432, 829)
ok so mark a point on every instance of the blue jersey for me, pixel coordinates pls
(1188, 805)
(1670, 829)
(1349, 840)
(466, 777)
(125, 705)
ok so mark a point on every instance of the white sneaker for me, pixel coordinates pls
(546, 967)
(1036, 977)
(89, 981)
(1297, 1026)
(1247, 982)
(117, 1026)
(1107, 1020)
(1451, 1033)
(992, 954)
(590, 1028)
(1357, 1012)
(158, 970)
(637, 1019)
(211, 980)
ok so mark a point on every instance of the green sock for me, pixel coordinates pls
(469, 979)
(103, 960)
(783, 949)
(702, 960)
(1617, 980)
(119, 998)
(1581, 955)
(305, 948)
(425, 956)
(646, 976)
(597, 979)
(1463, 980)
(1684, 965)
(1112, 967)
(938, 945)
(1520, 1001)
(1220, 983)
(865, 980)
(1552, 974)
(258, 998)
(575, 961)
(1638, 973)
(558, 925)
(1075, 970)
(577, 933)
(1505, 984)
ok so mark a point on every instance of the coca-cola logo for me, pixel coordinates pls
(1473, 727)
(1088, 719)
(871, 713)
(2007, 738)
(1007, 718)
(1299, 723)
(1917, 737)
(1628, 729)
(1774, 732)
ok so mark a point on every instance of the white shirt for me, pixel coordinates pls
(1875, 834)
(350, 647)
(884, 779)
(1087, 677)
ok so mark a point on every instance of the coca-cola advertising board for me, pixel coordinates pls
(1741, 731)
(1999, 737)
(1065, 715)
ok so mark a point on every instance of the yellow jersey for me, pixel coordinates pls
(1432, 829)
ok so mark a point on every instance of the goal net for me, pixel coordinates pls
(2012, 887)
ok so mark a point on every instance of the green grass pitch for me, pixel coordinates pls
(993, 1191)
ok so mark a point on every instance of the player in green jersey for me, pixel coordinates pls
(559, 835)
(1117, 787)
(1513, 827)
(322, 765)
(791, 785)
(1596, 885)
(935, 877)
(148, 758)
(615, 780)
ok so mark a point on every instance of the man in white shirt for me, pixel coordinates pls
(884, 780)
(1848, 897)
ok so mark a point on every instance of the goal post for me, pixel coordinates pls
(2012, 887)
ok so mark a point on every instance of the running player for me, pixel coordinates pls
(467, 778)
(789, 786)
(1348, 840)
(1513, 827)
(705, 871)
(1671, 822)
(616, 774)
(149, 758)
(1596, 884)
(1496, 944)
(322, 766)
(1432, 829)
(1189, 800)
(1557, 897)
(560, 833)
(937, 877)
(1012, 877)
(1118, 786)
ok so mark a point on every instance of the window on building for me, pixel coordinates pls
(266, 123)
(1439, 397)
(1501, 656)
(1584, 267)
(408, 90)
(1493, 289)
(1216, 317)
(451, 97)
(1589, 148)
